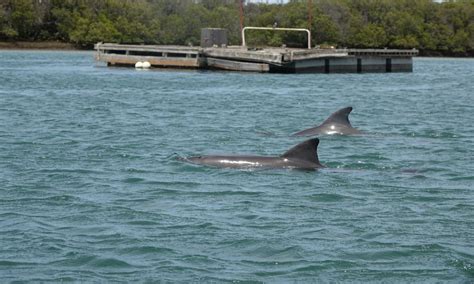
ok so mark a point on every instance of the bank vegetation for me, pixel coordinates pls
(445, 28)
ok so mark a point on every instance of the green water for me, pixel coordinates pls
(91, 190)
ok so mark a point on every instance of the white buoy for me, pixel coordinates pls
(139, 64)
(146, 64)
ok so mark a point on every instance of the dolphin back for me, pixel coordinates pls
(341, 117)
(305, 151)
(337, 123)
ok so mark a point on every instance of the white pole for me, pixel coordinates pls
(277, 29)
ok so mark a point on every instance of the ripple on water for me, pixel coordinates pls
(92, 189)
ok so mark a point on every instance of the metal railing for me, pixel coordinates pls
(276, 29)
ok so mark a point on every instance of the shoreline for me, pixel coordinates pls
(41, 45)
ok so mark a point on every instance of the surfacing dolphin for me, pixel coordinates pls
(336, 123)
(303, 156)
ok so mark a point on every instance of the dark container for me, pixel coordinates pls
(211, 37)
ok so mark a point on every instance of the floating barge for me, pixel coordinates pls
(242, 58)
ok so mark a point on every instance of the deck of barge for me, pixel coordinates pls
(238, 58)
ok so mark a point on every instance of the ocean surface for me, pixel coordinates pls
(91, 189)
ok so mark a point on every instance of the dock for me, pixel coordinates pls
(251, 59)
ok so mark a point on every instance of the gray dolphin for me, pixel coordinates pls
(336, 123)
(302, 156)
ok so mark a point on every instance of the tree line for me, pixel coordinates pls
(445, 28)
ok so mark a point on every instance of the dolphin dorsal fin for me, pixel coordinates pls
(307, 150)
(341, 116)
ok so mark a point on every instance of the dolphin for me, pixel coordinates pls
(302, 156)
(336, 123)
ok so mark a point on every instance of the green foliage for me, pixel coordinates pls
(6, 30)
(325, 30)
(369, 36)
(446, 27)
(86, 31)
(22, 18)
